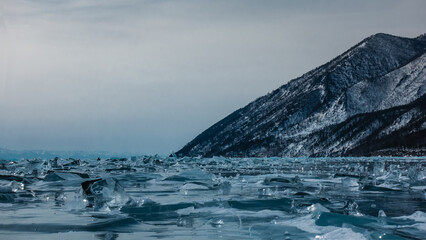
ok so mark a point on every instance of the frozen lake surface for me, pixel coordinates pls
(216, 198)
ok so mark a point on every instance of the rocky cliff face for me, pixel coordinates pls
(316, 114)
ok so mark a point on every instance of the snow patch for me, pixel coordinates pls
(398, 123)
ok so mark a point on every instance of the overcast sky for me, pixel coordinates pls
(148, 76)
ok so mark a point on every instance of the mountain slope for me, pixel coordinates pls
(380, 72)
(394, 131)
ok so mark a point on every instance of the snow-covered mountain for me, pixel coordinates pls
(340, 108)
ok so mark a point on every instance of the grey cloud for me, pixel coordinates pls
(147, 76)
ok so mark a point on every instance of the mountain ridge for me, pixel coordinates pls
(326, 95)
